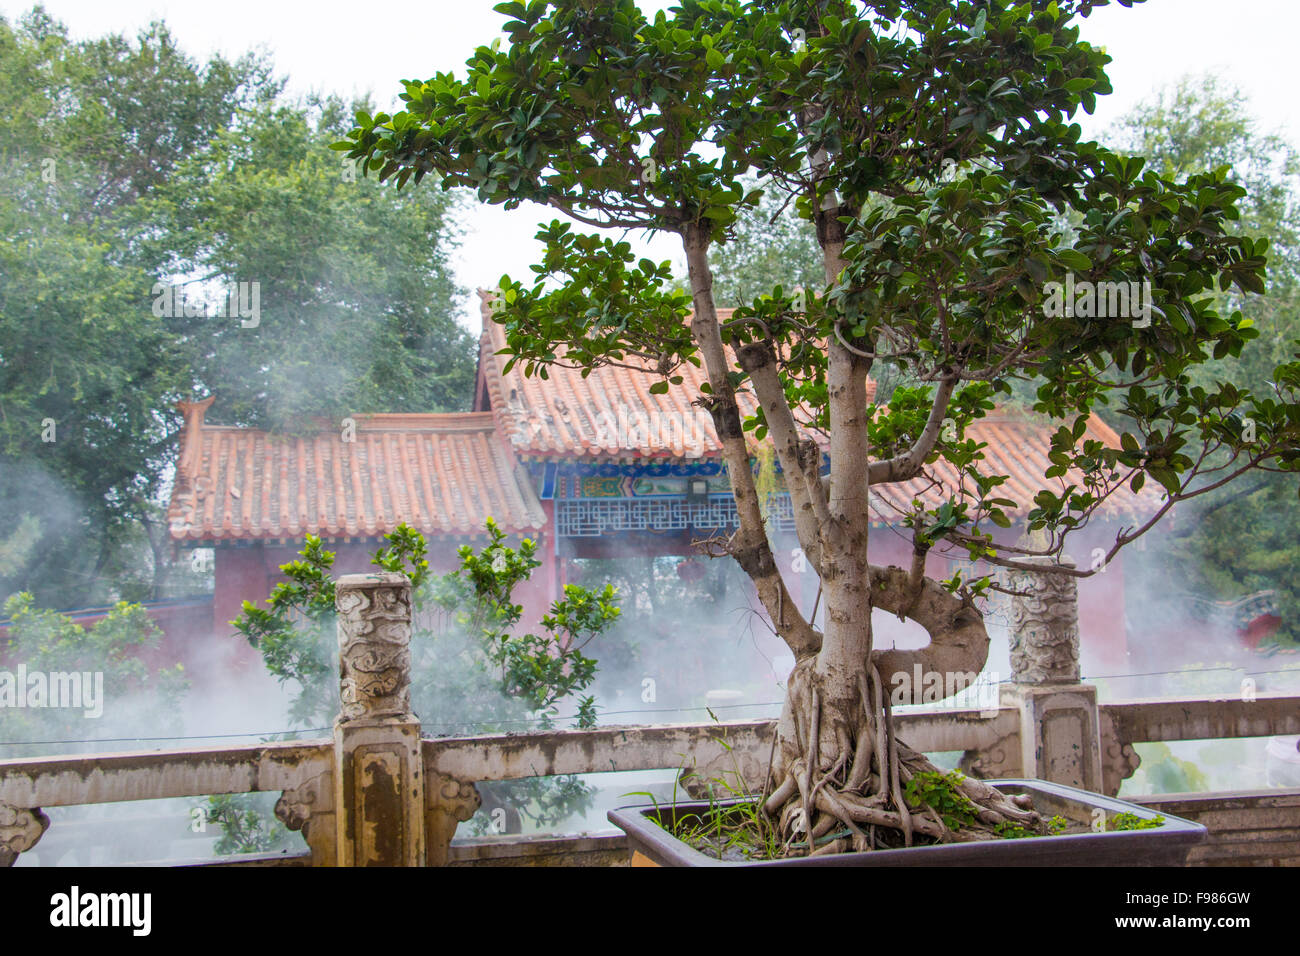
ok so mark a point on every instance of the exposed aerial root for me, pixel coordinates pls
(839, 776)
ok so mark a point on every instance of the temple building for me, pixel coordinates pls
(591, 466)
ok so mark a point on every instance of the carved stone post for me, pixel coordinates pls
(1059, 737)
(379, 774)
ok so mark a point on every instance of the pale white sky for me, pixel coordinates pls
(353, 48)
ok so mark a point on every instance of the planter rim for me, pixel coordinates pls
(1176, 833)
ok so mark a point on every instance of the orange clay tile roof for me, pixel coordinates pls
(1016, 446)
(442, 474)
(608, 414)
(568, 416)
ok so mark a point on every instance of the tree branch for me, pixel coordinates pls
(800, 459)
(751, 548)
(907, 466)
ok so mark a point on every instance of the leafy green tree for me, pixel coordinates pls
(469, 667)
(472, 669)
(1198, 125)
(85, 369)
(87, 373)
(121, 692)
(115, 117)
(928, 143)
(1162, 772)
(127, 166)
(358, 319)
(248, 824)
(772, 247)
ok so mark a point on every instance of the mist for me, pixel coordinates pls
(356, 315)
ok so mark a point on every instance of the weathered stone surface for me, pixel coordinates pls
(1145, 721)
(1119, 760)
(20, 829)
(449, 802)
(1059, 738)
(1044, 628)
(195, 772)
(374, 628)
(724, 775)
(999, 760)
(378, 756)
(309, 807)
(586, 851)
(1247, 828)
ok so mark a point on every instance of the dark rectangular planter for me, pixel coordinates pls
(1167, 845)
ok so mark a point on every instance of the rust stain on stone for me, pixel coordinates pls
(381, 800)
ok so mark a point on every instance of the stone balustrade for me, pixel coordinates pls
(378, 793)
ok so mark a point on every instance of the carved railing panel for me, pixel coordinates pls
(20, 830)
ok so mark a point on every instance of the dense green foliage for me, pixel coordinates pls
(357, 319)
(772, 247)
(127, 167)
(943, 154)
(1194, 127)
(135, 693)
(87, 374)
(471, 670)
(1243, 537)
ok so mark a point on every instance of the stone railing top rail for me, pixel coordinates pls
(151, 775)
(142, 775)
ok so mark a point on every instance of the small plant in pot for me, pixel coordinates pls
(967, 235)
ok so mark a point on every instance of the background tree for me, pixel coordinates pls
(936, 164)
(124, 164)
(772, 247)
(136, 693)
(1198, 125)
(357, 318)
(87, 374)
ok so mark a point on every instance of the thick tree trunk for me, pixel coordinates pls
(838, 773)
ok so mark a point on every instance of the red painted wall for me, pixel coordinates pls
(250, 574)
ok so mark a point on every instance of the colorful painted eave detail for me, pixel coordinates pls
(568, 418)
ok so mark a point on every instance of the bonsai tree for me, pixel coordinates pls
(928, 145)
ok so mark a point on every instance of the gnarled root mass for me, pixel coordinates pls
(839, 773)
